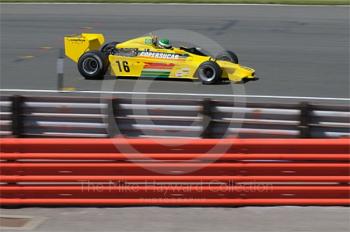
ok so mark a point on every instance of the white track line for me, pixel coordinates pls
(176, 94)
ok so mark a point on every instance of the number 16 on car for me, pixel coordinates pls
(123, 66)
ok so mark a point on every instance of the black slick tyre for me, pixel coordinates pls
(93, 65)
(108, 48)
(209, 72)
(228, 56)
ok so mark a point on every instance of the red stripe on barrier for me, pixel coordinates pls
(175, 145)
(172, 156)
(169, 191)
(153, 179)
(337, 169)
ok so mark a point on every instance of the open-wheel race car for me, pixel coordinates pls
(149, 56)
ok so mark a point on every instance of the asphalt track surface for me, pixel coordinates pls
(189, 219)
(297, 51)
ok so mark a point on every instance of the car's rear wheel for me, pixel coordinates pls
(209, 72)
(108, 48)
(93, 65)
(228, 56)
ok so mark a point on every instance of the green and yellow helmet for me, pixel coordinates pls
(164, 43)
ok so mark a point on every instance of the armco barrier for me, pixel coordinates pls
(81, 116)
(178, 172)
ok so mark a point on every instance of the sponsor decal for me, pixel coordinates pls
(183, 72)
(76, 40)
(157, 70)
(162, 55)
(148, 41)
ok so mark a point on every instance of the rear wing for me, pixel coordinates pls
(76, 45)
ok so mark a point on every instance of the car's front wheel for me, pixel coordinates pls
(228, 56)
(209, 72)
(93, 65)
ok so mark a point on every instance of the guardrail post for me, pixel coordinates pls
(305, 119)
(17, 116)
(207, 123)
(60, 70)
(112, 112)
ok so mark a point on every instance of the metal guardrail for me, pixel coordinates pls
(62, 116)
(177, 172)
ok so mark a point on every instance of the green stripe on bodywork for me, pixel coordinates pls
(155, 74)
(166, 72)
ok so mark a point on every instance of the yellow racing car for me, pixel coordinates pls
(149, 56)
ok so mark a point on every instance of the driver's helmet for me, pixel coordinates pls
(164, 43)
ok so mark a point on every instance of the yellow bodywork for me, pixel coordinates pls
(141, 58)
(75, 46)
